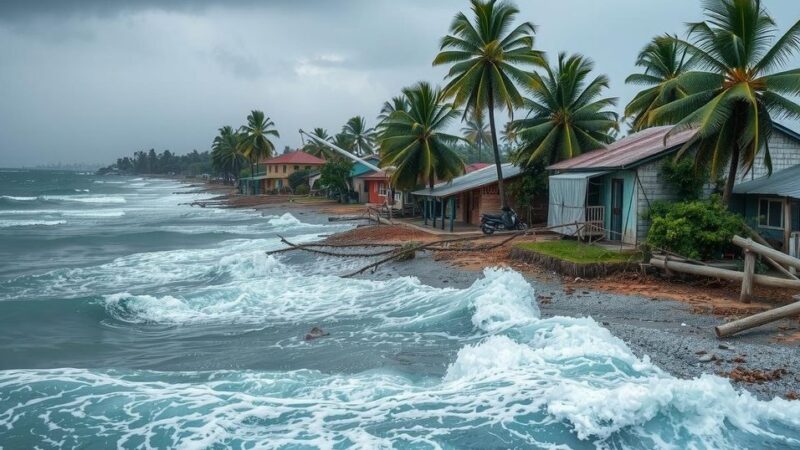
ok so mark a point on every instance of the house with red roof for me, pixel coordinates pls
(275, 171)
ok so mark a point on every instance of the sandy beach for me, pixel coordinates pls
(669, 321)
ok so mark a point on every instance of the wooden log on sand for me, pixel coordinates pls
(724, 274)
(756, 320)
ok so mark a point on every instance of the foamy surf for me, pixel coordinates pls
(526, 382)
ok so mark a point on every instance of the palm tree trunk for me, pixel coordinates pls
(726, 194)
(500, 185)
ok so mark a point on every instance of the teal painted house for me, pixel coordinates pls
(609, 191)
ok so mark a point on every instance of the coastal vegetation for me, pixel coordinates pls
(577, 252)
(415, 142)
(255, 138)
(566, 115)
(486, 54)
(165, 163)
(733, 88)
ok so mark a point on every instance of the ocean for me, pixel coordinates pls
(130, 319)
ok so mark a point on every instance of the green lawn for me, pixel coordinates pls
(578, 252)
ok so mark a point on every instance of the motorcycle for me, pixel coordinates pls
(506, 221)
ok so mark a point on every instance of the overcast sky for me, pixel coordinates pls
(88, 81)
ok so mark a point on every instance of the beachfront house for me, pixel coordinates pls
(606, 193)
(462, 200)
(276, 170)
(771, 205)
(373, 186)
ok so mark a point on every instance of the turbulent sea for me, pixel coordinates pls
(129, 319)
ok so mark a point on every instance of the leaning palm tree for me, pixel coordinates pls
(315, 148)
(663, 60)
(363, 137)
(735, 98)
(485, 53)
(415, 142)
(476, 132)
(256, 143)
(225, 154)
(567, 113)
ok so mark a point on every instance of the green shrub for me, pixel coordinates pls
(301, 190)
(699, 229)
(684, 178)
(298, 178)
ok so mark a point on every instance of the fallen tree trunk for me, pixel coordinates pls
(725, 274)
(772, 256)
(757, 320)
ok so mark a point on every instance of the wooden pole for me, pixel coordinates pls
(715, 272)
(756, 320)
(747, 279)
(763, 250)
(787, 223)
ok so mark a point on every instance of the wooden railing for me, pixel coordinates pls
(595, 219)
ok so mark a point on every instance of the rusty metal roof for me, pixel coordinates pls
(628, 151)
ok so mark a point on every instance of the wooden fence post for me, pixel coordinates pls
(747, 280)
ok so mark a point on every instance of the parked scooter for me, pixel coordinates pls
(505, 221)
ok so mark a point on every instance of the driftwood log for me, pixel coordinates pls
(725, 274)
(757, 320)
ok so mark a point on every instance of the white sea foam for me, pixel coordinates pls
(96, 213)
(30, 223)
(286, 219)
(18, 199)
(85, 199)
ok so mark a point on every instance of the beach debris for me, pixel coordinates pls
(725, 346)
(407, 251)
(756, 376)
(792, 395)
(315, 333)
(708, 357)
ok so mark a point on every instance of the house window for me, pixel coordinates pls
(308, 167)
(770, 213)
(382, 189)
(284, 168)
(366, 187)
(296, 168)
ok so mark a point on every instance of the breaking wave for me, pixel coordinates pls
(30, 223)
(517, 381)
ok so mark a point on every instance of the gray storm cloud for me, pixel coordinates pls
(88, 81)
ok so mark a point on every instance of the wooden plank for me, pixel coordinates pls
(724, 274)
(756, 320)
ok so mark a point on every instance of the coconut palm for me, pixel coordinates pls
(256, 143)
(567, 113)
(485, 54)
(398, 103)
(415, 142)
(315, 148)
(510, 135)
(225, 154)
(363, 138)
(663, 60)
(476, 132)
(734, 99)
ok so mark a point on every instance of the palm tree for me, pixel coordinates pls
(415, 142)
(225, 154)
(567, 114)
(476, 132)
(510, 135)
(663, 60)
(398, 103)
(256, 143)
(363, 138)
(315, 148)
(485, 56)
(344, 141)
(732, 102)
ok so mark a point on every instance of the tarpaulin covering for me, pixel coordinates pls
(568, 200)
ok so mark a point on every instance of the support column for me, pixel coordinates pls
(444, 210)
(787, 223)
(433, 210)
(747, 280)
(452, 202)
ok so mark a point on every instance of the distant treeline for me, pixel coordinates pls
(166, 162)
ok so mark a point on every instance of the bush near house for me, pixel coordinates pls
(698, 229)
(299, 178)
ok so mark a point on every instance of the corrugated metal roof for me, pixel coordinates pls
(784, 183)
(472, 180)
(628, 151)
(577, 175)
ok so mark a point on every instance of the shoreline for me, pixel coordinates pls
(670, 322)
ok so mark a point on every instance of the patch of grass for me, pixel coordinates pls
(578, 252)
